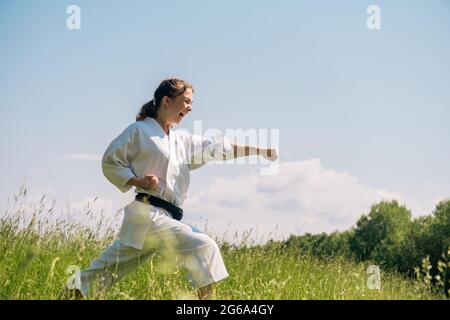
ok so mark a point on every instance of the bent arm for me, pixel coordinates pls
(116, 160)
(135, 182)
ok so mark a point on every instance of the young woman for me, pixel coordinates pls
(155, 159)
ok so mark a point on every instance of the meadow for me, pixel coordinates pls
(36, 253)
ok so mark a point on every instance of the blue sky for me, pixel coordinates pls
(373, 105)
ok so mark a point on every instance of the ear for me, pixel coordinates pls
(165, 101)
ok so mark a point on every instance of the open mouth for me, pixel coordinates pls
(181, 114)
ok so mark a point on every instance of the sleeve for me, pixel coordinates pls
(116, 159)
(204, 150)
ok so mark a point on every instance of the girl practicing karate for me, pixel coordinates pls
(156, 159)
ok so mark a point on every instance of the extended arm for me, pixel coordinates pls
(246, 150)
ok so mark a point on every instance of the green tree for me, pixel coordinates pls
(378, 235)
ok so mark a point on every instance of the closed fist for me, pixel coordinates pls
(149, 182)
(270, 154)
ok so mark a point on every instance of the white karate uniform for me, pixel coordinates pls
(144, 148)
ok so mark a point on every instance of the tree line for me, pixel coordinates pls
(390, 237)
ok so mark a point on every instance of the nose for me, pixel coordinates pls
(189, 108)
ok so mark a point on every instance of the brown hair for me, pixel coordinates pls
(171, 87)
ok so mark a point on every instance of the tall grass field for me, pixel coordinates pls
(36, 253)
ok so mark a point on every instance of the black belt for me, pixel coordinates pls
(176, 212)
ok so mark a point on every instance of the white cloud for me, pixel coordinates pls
(302, 197)
(94, 211)
(97, 213)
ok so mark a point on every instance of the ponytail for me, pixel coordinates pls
(147, 110)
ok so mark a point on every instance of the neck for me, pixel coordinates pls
(164, 123)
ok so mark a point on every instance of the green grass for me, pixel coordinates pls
(34, 257)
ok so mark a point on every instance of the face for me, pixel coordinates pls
(180, 106)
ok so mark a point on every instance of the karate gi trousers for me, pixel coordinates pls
(146, 231)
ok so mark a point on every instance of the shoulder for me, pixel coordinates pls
(130, 130)
(133, 126)
(130, 133)
(146, 126)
